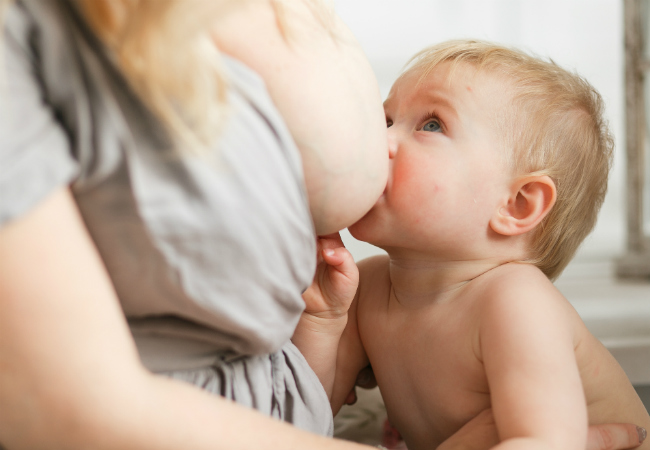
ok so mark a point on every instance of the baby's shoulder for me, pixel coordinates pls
(373, 267)
(518, 301)
(517, 287)
(515, 279)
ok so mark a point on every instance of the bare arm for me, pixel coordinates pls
(352, 364)
(70, 376)
(327, 301)
(527, 346)
(327, 334)
(537, 399)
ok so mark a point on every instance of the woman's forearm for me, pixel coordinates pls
(147, 412)
(70, 376)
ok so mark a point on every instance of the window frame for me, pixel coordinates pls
(636, 261)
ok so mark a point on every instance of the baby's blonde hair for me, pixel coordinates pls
(556, 128)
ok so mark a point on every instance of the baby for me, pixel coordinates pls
(498, 167)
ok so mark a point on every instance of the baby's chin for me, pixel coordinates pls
(359, 230)
(365, 228)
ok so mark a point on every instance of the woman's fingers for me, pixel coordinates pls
(480, 433)
(615, 436)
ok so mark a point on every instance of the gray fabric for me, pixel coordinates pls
(248, 380)
(208, 254)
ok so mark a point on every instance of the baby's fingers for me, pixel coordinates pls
(342, 261)
(331, 241)
(340, 280)
(335, 256)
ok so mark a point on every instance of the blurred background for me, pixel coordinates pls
(586, 36)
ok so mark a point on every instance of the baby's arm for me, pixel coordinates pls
(527, 347)
(326, 334)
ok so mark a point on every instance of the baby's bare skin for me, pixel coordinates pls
(428, 358)
(450, 320)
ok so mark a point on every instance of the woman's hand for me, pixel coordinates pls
(481, 434)
(615, 436)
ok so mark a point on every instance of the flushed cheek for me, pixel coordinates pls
(417, 201)
(415, 176)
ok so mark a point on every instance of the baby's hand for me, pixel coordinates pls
(335, 282)
(327, 302)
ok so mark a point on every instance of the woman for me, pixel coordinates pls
(154, 217)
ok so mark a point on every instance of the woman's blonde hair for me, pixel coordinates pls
(555, 127)
(165, 50)
(162, 47)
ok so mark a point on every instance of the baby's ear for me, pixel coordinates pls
(531, 199)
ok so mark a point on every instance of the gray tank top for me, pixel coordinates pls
(208, 253)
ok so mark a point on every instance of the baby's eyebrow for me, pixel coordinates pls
(434, 96)
(440, 101)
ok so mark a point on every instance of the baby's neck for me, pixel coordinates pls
(419, 281)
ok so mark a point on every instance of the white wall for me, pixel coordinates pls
(583, 35)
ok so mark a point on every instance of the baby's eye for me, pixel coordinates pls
(432, 126)
(389, 123)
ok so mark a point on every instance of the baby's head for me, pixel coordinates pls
(552, 124)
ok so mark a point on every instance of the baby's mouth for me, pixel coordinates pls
(382, 198)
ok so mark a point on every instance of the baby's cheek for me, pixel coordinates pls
(422, 200)
(415, 175)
